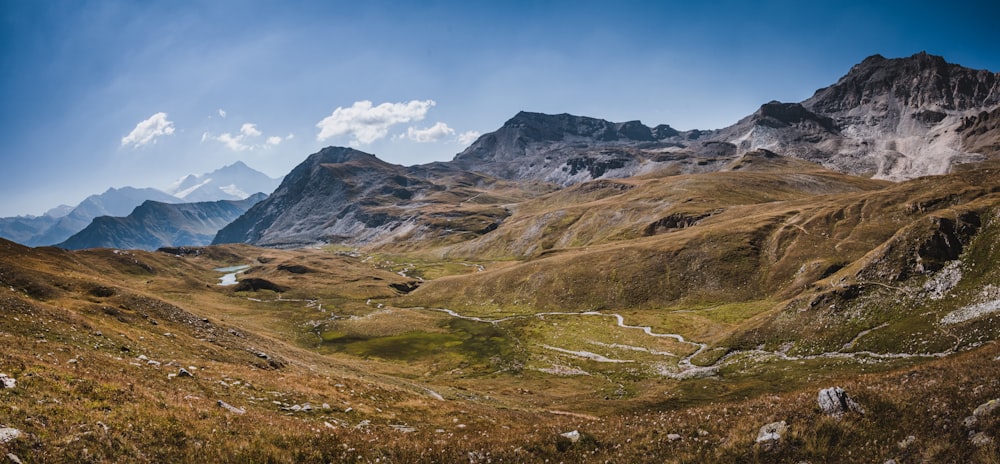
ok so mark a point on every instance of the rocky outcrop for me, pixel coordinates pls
(835, 402)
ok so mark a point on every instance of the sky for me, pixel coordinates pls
(104, 93)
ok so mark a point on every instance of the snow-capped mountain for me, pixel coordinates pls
(234, 182)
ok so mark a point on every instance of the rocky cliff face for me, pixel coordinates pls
(892, 119)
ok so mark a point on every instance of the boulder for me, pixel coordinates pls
(573, 436)
(231, 408)
(7, 382)
(184, 373)
(8, 434)
(769, 436)
(835, 402)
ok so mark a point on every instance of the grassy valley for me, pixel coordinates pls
(665, 317)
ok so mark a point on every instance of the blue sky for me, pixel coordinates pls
(99, 94)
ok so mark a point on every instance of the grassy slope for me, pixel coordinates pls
(801, 264)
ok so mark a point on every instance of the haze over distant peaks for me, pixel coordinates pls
(234, 182)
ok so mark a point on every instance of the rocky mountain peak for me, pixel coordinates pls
(919, 81)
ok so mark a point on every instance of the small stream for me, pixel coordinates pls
(231, 272)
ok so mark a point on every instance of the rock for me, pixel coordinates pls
(835, 402)
(909, 440)
(981, 439)
(673, 436)
(8, 434)
(184, 373)
(986, 408)
(769, 437)
(231, 408)
(14, 459)
(573, 436)
(7, 382)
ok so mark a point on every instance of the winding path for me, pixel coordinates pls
(685, 368)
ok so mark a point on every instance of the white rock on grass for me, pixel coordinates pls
(231, 408)
(8, 434)
(7, 382)
(573, 436)
(835, 402)
(769, 436)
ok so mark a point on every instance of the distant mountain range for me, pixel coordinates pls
(60, 223)
(154, 224)
(890, 119)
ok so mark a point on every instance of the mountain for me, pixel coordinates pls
(345, 195)
(113, 202)
(565, 149)
(888, 118)
(154, 224)
(234, 182)
(892, 119)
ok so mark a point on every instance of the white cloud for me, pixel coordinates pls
(147, 131)
(241, 142)
(366, 123)
(466, 138)
(289, 136)
(222, 113)
(234, 143)
(249, 130)
(431, 134)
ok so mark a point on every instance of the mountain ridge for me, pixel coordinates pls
(891, 128)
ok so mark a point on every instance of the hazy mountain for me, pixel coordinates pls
(155, 224)
(234, 182)
(113, 202)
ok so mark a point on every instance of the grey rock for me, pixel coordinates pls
(835, 402)
(7, 382)
(8, 434)
(769, 437)
(573, 436)
(14, 459)
(231, 408)
(673, 436)
(184, 373)
(981, 439)
(987, 408)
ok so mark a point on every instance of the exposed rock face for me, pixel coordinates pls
(567, 149)
(328, 196)
(904, 113)
(920, 81)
